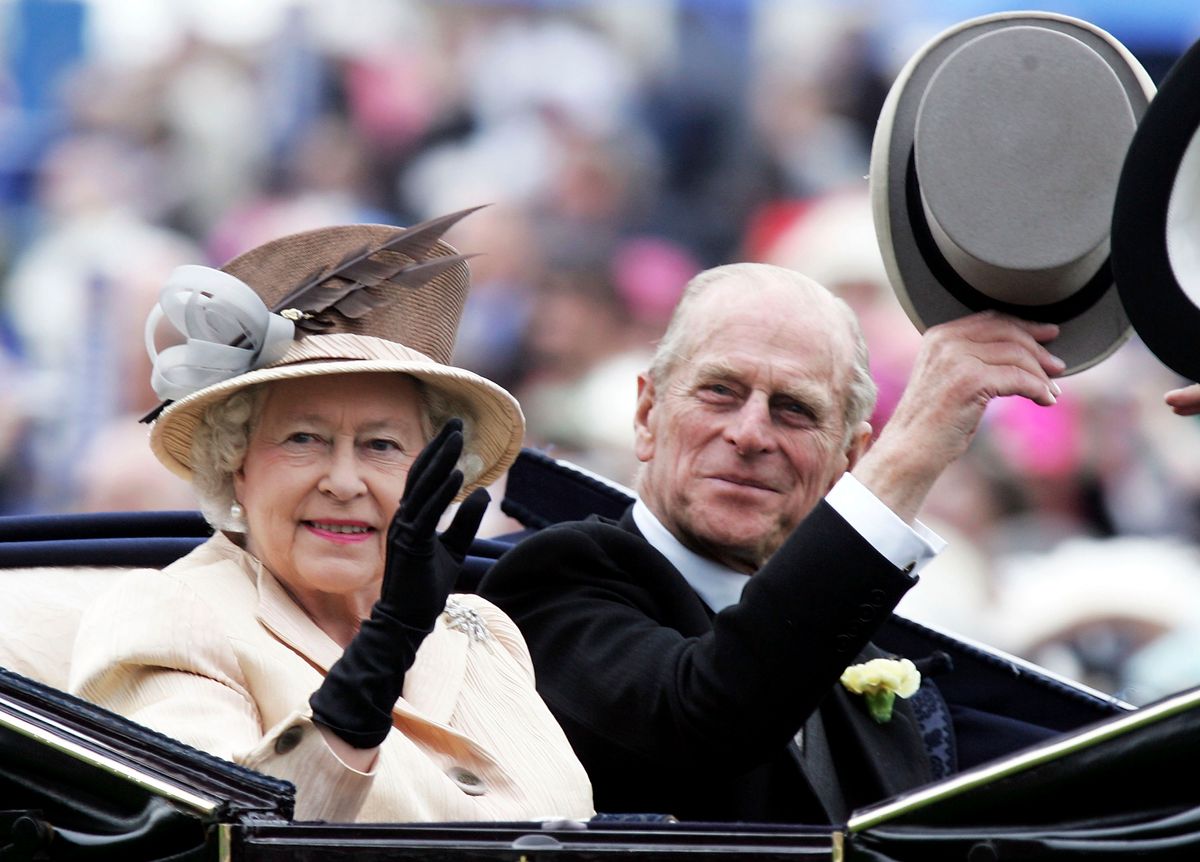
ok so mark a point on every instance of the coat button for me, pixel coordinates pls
(468, 782)
(289, 739)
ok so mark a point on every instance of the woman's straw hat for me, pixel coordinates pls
(339, 300)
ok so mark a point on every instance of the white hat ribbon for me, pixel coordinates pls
(229, 331)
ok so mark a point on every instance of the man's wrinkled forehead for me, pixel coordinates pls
(748, 310)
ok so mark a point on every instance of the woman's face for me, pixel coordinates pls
(324, 472)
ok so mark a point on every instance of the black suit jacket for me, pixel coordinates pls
(675, 710)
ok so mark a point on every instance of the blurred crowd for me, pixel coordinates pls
(621, 147)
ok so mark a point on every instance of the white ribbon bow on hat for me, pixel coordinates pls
(229, 331)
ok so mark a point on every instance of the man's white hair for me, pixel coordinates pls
(676, 344)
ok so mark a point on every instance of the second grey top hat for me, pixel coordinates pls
(993, 173)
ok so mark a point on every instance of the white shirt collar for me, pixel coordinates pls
(719, 586)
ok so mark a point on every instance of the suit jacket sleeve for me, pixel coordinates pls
(629, 661)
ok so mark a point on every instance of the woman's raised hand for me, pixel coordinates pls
(421, 567)
(355, 701)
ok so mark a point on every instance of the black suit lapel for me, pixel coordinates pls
(875, 760)
(675, 602)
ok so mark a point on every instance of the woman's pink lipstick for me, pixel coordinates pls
(340, 532)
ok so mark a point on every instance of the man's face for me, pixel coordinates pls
(747, 432)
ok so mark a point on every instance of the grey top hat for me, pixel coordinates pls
(993, 172)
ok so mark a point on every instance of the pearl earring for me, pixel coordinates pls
(236, 512)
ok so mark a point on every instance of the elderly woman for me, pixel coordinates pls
(314, 636)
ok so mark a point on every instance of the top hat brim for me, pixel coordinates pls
(1164, 315)
(1092, 322)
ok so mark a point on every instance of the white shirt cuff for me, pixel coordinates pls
(909, 548)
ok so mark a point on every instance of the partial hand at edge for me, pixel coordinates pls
(962, 365)
(1185, 401)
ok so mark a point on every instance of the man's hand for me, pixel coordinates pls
(1184, 401)
(962, 365)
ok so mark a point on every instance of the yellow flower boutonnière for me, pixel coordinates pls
(881, 680)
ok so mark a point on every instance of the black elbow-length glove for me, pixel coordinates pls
(355, 701)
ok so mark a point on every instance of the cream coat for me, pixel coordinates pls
(213, 652)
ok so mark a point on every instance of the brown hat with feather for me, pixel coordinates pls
(337, 300)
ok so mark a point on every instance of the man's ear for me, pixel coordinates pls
(643, 429)
(860, 442)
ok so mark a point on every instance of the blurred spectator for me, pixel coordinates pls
(322, 181)
(577, 323)
(649, 273)
(117, 472)
(1087, 606)
(593, 329)
(77, 297)
(506, 265)
(216, 134)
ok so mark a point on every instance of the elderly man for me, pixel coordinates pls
(692, 650)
